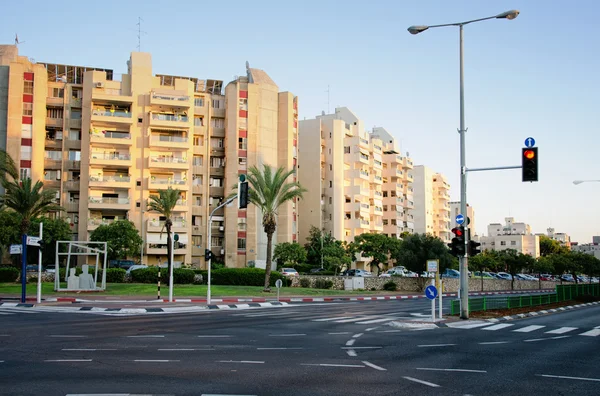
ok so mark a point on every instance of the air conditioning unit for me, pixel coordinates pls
(221, 228)
(99, 85)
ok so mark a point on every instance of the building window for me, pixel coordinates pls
(217, 103)
(241, 243)
(217, 122)
(347, 150)
(242, 224)
(513, 243)
(76, 94)
(330, 200)
(243, 144)
(330, 184)
(502, 243)
(198, 121)
(199, 102)
(25, 173)
(74, 155)
(27, 109)
(57, 92)
(197, 161)
(28, 87)
(75, 115)
(242, 161)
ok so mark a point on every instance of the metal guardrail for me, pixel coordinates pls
(563, 293)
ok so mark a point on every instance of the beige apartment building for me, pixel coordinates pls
(108, 142)
(455, 211)
(432, 203)
(358, 182)
(511, 235)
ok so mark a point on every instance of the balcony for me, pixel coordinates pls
(197, 251)
(118, 117)
(53, 143)
(72, 144)
(72, 185)
(95, 223)
(75, 123)
(161, 162)
(169, 141)
(217, 150)
(110, 181)
(197, 210)
(410, 178)
(53, 184)
(169, 121)
(75, 102)
(217, 171)
(198, 169)
(199, 130)
(181, 206)
(196, 230)
(110, 159)
(407, 163)
(111, 95)
(168, 99)
(154, 225)
(163, 184)
(73, 164)
(108, 203)
(111, 138)
(216, 191)
(50, 163)
(378, 227)
(361, 174)
(54, 122)
(199, 150)
(356, 190)
(376, 179)
(218, 112)
(200, 110)
(363, 143)
(71, 206)
(218, 132)
(357, 207)
(55, 102)
(220, 212)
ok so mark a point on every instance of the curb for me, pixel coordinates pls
(292, 299)
(539, 313)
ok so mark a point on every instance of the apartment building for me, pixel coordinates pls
(561, 237)
(455, 211)
(510, 227)
(511, 235)
(357, 181)
(108, 142)
(432, 203)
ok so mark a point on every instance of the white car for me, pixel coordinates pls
(134, 267)
(289, 272)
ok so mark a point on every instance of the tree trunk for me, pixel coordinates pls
(169, 247)
(268, 266)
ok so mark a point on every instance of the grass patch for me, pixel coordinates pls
(147, 290)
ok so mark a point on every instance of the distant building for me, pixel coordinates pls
(432, 208)
(455, 211)
(560, 237)
(596, 240)
(588, 248)
(512, 235)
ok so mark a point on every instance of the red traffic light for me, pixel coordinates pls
(457, 231)
(529, 154)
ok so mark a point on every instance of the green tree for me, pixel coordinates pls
(416, 249)
(8, 168)
(336, 256)
(122, 237)
(543, 265)
(590, 265)
(268, 191)
(316, 241)
(9, 230)
(483, 262)
(514, 262)
(550, 246)
(54, 230)
(289, 253)
(376, 246)
(164, 203)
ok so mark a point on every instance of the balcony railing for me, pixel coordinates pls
(170, 97)
(169, 160)
(169, 117)
(168, 181)
(157, 223)
(112, 135)
(99, 222)
(109, 113)
(116, 157)
(172, 139)
(104, 200)
(112, 179)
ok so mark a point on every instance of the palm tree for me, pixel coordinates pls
(268, 191)
(164, 204)
(7, 168)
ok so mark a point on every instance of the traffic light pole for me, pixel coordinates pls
(209, 243)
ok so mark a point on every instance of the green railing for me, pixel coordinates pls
(563, 293)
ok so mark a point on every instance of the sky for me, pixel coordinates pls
(535, 76)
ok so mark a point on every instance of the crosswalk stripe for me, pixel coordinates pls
(6, 313)
(528, 329)
(561, 330)
(21, 310)
(591, 333)
(355, 319)
(498, 326)
(331, 319)
(468, 325)
(377, 321)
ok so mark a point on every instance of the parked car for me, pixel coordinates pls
(450, 273)
(289, 272)
(484, 275)
(504, 275)
(135, 267)
(125, 264)
(396, 271)
(356, 272)
(317, 270)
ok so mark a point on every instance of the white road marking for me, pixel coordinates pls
(591, 333)
(351, 352)
(422, 382)
(494, 342)
(357, 335)
(286, 335)
(378, 320)
(374, 366)
(214, 336)
(390, 331)
(561, 330)
(339, 333)
(457, 370)
(185, 349)
(371, 328)
(330, 319)
(361, 347)
(1, 361)
(6, 313)
(332, 365)
(498, 326)
(528, 329)
(66, 336)
(350, 342)
(548, 338)
(460, 325)
(86, 349)
(155, 360)
(566, 377)
(146, 336)
(355, 319)
(435, 345)
(241, 361)
(68, 360)
(274, 349)
(218, 394)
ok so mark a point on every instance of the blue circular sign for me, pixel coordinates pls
(431, 292)
(460, 219)
(529, 142)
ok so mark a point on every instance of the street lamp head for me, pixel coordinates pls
(417, 29)
(512, 14)
(576, 182)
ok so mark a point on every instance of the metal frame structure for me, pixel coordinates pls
(88, 251)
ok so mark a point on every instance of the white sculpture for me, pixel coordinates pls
(72, 280)
(86, 281)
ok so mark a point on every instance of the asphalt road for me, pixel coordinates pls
(307, 349)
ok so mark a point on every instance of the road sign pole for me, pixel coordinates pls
(39, 282)
(433, 303)
(24, 268)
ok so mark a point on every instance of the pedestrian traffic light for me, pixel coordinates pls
(457, 246)
(474, 248)
(243, 192)
(207, 255)
(41, 244)
(530, 164)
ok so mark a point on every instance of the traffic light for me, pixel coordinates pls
(243, 192)
(530, 164)
(458, 242)
(41, 243)
(474, 248)
(207, 255)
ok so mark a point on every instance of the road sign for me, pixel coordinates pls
(432, 265)
(278, 283)
(529, 142)
(16, 249)
(431, 292)
(33, 241)
(460, 219)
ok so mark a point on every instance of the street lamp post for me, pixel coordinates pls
(464, 270)
(576, 182)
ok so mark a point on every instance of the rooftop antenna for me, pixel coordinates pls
(140, 32)
(17, 42)
(328, 92)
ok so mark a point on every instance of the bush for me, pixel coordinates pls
(9, 274)
(243, 277)
(183, 276)
(301, 268)
(150, 275)
(323, 284)
(114, 275)
(390, 286)
(305, 282)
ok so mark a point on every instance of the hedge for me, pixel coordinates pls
(9, 274)
(150, 275)
(114, 275)
(244, 277)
